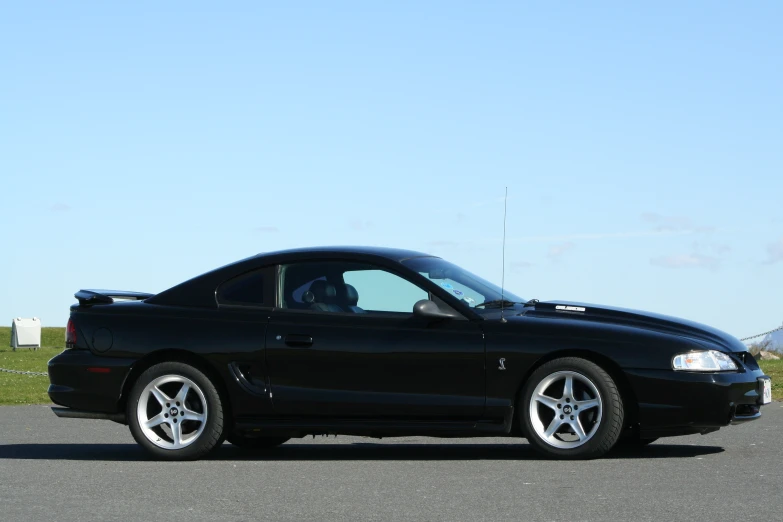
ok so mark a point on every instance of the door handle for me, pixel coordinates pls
(298, 340)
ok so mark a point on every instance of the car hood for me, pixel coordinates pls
(608, 315)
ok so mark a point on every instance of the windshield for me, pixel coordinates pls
(460, 283)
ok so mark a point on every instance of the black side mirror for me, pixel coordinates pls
(429, 310)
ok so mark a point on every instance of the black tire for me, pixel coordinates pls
(606, 427)
(256, 443)
(211, 433)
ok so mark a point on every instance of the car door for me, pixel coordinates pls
(345, 343)
(244, 303)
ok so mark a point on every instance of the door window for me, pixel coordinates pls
(381, 291)
(346, 287)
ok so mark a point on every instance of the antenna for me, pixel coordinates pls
(503, 269)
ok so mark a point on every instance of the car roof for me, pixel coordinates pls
(393, 254)
(200, 290)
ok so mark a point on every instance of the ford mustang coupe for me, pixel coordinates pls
(382, 342)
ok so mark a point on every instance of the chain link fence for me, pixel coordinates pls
(20, 372)
(779, 328)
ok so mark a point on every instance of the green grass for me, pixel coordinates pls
(775, 370)
(25, 389)
(52, 337)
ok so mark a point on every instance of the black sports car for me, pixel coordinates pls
(382, 342)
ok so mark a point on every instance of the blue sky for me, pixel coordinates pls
(142, 144)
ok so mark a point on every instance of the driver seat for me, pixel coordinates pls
(352, 299)
(322, 296)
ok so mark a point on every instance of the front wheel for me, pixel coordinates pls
(570, 408)
(175, 412)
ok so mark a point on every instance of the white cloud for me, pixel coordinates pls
(686, 261)
(775, 251)
(674, 223)
(598, 235)
(663, 223)
(358, 224)
(442, 244)
(557, 251)
(496, 201)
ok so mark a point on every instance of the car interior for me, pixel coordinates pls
(320, 287)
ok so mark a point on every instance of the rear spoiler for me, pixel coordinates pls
(96, 297)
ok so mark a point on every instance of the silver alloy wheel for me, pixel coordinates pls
(571, 420)
(172, 412)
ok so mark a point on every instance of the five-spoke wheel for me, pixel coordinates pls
(572, 418)
(175, 412)
(571, 408)
(172, 411)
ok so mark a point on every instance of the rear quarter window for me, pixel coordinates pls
(244, 290)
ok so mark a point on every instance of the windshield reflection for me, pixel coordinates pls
(470, 288)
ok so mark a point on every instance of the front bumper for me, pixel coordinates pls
(84, 381)
(674, 403)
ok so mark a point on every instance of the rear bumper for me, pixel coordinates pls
(678, 403)
(83, 381)
(70, 413)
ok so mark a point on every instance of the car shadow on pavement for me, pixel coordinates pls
(294, 451)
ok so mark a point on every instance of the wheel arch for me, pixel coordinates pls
(174, 355)
(630, 402)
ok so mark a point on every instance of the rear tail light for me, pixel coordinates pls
(70, 334)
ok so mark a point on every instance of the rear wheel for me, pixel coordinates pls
(175, 412)
(571, 409)
(256, 443)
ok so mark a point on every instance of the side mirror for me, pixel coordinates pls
(429, 310)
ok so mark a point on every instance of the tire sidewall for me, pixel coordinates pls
(608, 430)
(212, 434)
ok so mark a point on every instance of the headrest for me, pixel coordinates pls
(351, 295)
(322, 291)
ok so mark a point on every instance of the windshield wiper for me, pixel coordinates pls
(496, 303)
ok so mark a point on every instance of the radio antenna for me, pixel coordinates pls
(503, 269)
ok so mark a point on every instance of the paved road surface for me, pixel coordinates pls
(68, 469)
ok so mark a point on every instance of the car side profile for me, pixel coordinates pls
(384, 342)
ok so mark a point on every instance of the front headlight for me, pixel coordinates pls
(703, 361)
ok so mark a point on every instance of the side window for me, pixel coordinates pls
(299, 293)
(381, 291)
(244, 290)
(346, 287)
(304, 284)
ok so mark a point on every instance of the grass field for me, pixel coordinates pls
(50, 338)
(775, 370)
(25, 389)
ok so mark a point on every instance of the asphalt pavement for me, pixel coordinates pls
(71, 469)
